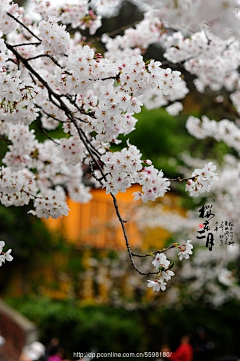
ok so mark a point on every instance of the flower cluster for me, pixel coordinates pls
(46, 74)
(164, 266)
(15, 99)
(224, 130)
(165, 274)
(125, 168)
(206, 56)
(153, 183)
(52, 204)
(55, 39)
(5, 256)
(77, 15)
(174, 108)
(220, 16)
(121, 168)
(202, 180)
(7, 24)
(146, 32)
(185, 250)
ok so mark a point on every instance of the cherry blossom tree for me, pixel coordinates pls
(50, 76)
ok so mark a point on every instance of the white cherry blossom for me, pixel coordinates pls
(157, 285)
(161, 261)
(185, 250)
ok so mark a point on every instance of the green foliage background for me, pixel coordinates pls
(84, 328)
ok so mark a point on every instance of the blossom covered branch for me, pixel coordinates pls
(48, 75)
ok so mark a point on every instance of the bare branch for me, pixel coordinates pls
(126, 239)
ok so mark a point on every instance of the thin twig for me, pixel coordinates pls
(51, 116)
(44, 131)
(29, 194)
(25, 27)
(85, 142)
(93, 148)
(82, 111)
(126, 239)
(119, 30)
(115, 77)
(155, 252)
(183, 179)
(45, 55)
(25, 44)
(51, 92)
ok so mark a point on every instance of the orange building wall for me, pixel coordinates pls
(96, 223)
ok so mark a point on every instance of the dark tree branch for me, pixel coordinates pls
(153, 253)
(45, 55)
(25, 44)
(47, 135)
(119, 30)
(49, 115)
(25, 27)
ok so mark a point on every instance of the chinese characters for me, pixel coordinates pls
(225, 228)
(205, 212)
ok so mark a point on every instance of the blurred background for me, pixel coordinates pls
(72, 279)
